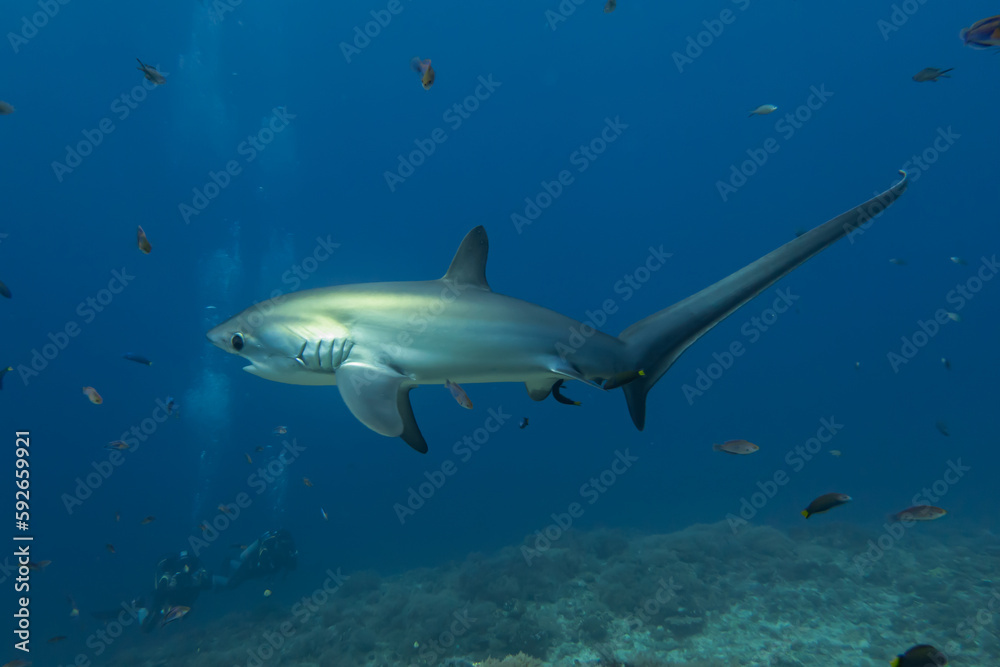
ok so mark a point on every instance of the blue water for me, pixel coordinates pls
(323, 176)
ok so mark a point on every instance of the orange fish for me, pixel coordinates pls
(116, 444)
(222, 508)
(92, 394)
(174, 613)
(17, 663)
(984, 34)
(424, 69)
(458, 394)
(280, 430)
(306, 481)
(736, 447)
(144, 245)
(249, 460)
(39, 566)
(110, 548)
(203, 527)
(148, 519)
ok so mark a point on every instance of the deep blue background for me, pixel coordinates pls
(324, 175)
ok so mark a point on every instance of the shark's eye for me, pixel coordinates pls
(237, 342)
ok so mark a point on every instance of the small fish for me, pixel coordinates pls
(921, 655)
(983, 34)
(857, 365)
(280, 430)
(144, 245)
(117, 444)
(557, 394)
(174, 613)
(323, 513)
(524, 424)
(147, 520)
(610, 5)
(947, 364)
(223, 508)
(57, 639)
(424, 69)
(763, 110)
(39, 566)
(110, 548)
(249, 460)
(210, 307)
(241, 547)
(118, 517)
(139, 359)
(74, 610)
(17, 663)
(307, 481)
(897, 262)
(736, 447)
(203, 527)
(92, 394)
(623, 378)
(919, 513)
(258, 448)
(825, 503)
(4, 371)
(5, 109)
(151, 74)
(942, 428)
(836, 452)
(931, 74)
(267, 592)
(173, 408)
(954, 317)
(958, 260)
(5, 291)
(458, 394)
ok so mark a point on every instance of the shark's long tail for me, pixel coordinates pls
(657, 341)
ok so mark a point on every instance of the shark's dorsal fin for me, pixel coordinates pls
(468, 267)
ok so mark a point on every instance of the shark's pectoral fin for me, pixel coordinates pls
(539, 390)
(379, 398)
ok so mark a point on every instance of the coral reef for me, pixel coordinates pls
(701, 597)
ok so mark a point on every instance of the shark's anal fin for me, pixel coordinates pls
(468, 267)
(379, 399)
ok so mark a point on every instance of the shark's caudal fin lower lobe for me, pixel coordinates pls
(657, 341)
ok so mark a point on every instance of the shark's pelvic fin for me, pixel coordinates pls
(657, 341)
(468, 267)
